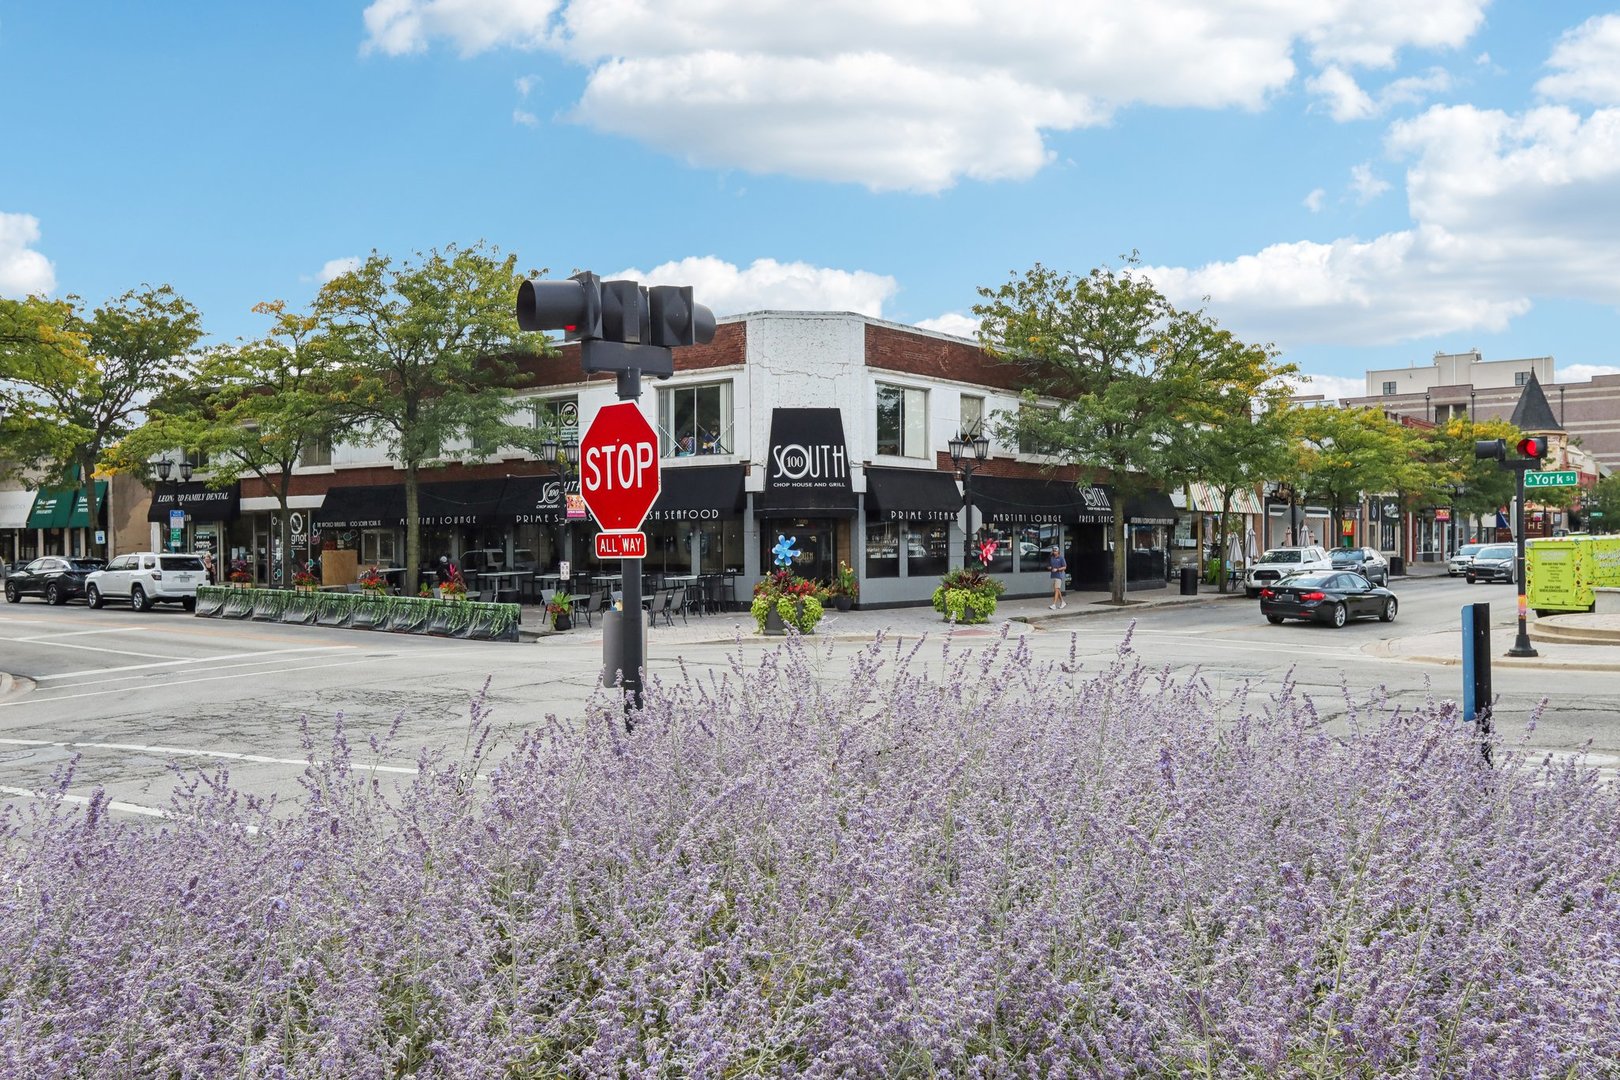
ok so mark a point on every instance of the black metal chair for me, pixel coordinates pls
(659, 604)
(677, 602)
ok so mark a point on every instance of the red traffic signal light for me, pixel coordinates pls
(573, 306)
(1533, 447)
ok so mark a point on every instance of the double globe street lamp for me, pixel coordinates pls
(967, 454)
(164, 468)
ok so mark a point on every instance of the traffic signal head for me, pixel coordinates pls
(1533, 447)
(676, 320)
(573, 306)
(624, 312)
(1488, 449)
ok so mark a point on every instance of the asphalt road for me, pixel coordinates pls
(132, 695)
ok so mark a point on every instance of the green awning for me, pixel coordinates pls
(81, 507)
(52, 508)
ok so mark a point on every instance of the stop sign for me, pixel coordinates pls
(618, 467)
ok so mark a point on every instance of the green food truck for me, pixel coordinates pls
(1561, 573)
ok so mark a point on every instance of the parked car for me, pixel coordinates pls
(1368, 562)
(1458, 563)
(55, 578)
(1333, 597)
(1279, 562)
(1493, 562)
(144, 578)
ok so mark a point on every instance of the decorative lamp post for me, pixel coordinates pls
(164, 469)
(968, 453)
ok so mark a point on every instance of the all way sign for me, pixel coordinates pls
(1549, 479)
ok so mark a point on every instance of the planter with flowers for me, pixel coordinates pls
(967, 596)
(240, 576)
(373, 582)
(845, 589)
(453, 586)
(304, 581)
(784, 599)
(561, 613)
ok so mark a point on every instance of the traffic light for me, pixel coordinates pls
(624, 312)
(1533, 447)
(1489, 449)
(676, 320)
(573, 306)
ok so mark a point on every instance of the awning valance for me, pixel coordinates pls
(806, 466)
(53, 506)
(1150, 508)
(80, 518)
(368, 507)
(197, 499)
(491, 501)
(911, 495)
(1004, 500)
(699, 493)
(1206, 499)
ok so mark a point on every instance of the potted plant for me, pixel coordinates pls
(561, 611)
(304, 581)
(784, 599)
(452, 586)
(240, 576)
(845, 589)
(373, 582)
(967, 596)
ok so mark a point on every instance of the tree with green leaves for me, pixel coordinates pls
(1604, 499)
(74, 383)
(253, 409)
(423, 354)
(1118, 381)
(1344, 454)
(1473, 487)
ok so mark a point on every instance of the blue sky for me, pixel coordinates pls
(1362, 182)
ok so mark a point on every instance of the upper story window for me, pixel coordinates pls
(1030, 442)
(317, 452)
(902, 421)
(1520, 378)
(695, 420)
(557, 417)
(1389, 388)
(972, 416)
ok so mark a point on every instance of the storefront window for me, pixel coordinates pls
(999, 540)
(883, 549)
(695, 420)
(928, 550)
(902, 421)
(377, 547)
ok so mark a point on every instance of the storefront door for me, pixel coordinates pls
(812, 543)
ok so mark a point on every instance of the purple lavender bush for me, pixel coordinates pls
(969, 865)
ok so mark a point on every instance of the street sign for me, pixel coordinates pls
(1594, 513)
(618, 468)
(621, 545)
(1549, 479)
(970, 527)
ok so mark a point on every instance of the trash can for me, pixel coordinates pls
(1189, 581)
(1397, 566)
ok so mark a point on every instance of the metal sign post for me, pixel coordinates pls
(1476, 657)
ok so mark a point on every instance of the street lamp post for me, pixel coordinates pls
(968, 453)
(164, 467)
(564, 457)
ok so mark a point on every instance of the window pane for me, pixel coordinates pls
(883, 550)
(972, 418)
(927, 550)
(998, 541)
(889, 411)
(915, 419)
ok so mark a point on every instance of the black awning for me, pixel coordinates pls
(533, 500)
(1151, 508)
(911, 495)
(804, 504)
(373, 506)
(197, 499)
(1006, 500)
(806, 466)
(459, 502)
(699, 493)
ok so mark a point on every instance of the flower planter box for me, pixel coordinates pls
(362, 611)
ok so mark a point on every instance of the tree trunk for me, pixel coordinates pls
(286, 540)
(1221, 574)
(87, 474)
(413, 530)
(1117, 586)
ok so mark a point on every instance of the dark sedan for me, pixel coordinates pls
(1494, 562)
(1365, 561)
(1334, 598)
(54, 578)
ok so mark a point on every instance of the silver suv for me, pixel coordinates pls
(146, 578)
(1277, 563)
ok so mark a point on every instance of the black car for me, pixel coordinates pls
(55, 578)
(1333, 597)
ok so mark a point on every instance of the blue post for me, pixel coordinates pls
(1476, 665)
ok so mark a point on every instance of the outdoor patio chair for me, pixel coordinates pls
(678, 603)
(658, 604)
(588, 604)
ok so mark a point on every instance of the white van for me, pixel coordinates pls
(146, 578)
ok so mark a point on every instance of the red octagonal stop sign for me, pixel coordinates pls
(618, 467)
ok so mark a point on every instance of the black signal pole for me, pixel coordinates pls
(1521, 643)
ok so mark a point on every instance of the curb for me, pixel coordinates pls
(1094, 609)
(1516, 662)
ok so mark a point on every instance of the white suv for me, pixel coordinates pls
(146, 578)
(1278, 563)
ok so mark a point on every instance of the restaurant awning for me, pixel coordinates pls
(14, 509)
(911, 495)
(369, 507)
(699, 493)
(1005, 500)
(490, 501)
(1150, 508)
(53, 506)
(80, 518)
(806, 466)
(1207, 500)
(197, 499)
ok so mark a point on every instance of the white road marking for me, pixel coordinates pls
(80, 633)
(128, 808)
(103, 648)
(35, 699)
(180, 751)
(177, 661)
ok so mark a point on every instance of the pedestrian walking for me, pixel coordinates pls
(1059, 566)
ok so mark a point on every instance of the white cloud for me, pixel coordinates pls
(1346, 99)
(22, 269)
(1366, 186)
(1332, 387)
(335, 267)
(964, 326)
(895, 95)
(1587, 62)
(526, 83)
(767, 284)
(1568, 373)
(1313, 201)
(527, 119)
